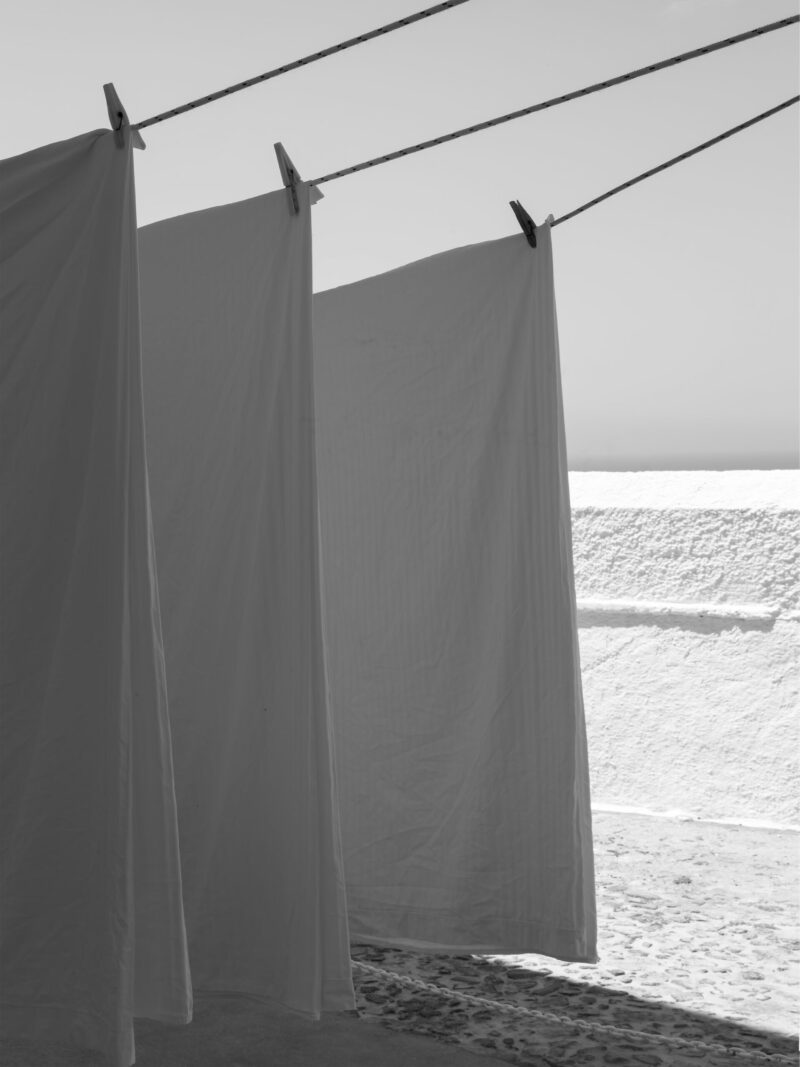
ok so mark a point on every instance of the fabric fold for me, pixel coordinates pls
(450, 606)
(226, 313)
(92, 929)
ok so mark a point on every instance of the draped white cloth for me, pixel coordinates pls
(450, 603)
(226, 319)
(91, 919)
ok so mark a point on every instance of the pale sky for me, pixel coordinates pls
(677, 300)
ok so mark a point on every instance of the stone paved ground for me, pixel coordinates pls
(698, 938)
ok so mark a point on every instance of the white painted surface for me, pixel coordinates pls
(663, 609)
(707, 490)
(689, 610)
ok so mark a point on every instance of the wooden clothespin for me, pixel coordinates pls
(525, 221)
(118, 117)
(291, 179)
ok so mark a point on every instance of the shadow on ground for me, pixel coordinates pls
(243, 1032)
(400, 1025)
(677, 1035)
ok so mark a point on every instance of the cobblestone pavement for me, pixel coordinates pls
(698, 940)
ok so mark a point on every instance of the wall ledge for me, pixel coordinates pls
(671, 609)
(759, 491)
(679, 815)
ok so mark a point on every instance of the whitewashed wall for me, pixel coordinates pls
(688, 586)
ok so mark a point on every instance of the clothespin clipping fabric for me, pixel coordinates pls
(291, 179)
(526, 222)
(118, 118)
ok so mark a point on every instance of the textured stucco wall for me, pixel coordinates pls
(688, 588)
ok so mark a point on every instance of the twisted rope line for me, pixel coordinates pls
(362, 37)
(677, 159)
(629, 76)
(580, 1024)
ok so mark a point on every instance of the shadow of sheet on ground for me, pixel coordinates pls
(401, 1023)
(538, 1039)
(242, 1031)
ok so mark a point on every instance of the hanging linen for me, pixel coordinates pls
(91, 919)
(453, 652)
(226, 313)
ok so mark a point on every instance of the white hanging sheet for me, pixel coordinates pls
(91, 918)
(450, 604)
(226, 319)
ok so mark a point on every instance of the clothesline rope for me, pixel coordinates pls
(677, 159)
(304, 61)
(574, 95)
